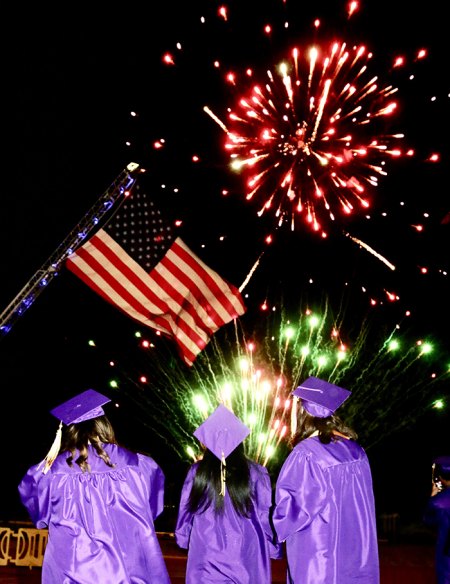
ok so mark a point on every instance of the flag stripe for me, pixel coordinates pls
(103, 262)
(98, 271)
(218, 294)
(163, 294)
(172, 275)
(164, 324)
(167, 299)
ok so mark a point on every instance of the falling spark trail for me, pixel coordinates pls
(215, 118)
(371, 250)
(250, 274)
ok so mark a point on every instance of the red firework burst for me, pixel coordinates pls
(310, 141)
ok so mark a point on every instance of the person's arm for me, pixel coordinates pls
(263, 504)
(34, 492)
(157, 481)
(300, 494)
(435, 489)
(433, 509)
(185, 517)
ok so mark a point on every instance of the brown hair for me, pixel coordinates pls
(328, 428)
(77, 437)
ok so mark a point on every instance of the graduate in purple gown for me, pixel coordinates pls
(223, 519)
(324, 502)
(98, 501)
(437, 515)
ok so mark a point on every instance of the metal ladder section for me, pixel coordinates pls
(51, 268)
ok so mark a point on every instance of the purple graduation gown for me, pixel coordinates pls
(325, 512)
(437, 514)
(100, 524)
(228, 547)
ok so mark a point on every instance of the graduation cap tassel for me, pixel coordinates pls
(294, 411)
(54, 450)
(223, 475)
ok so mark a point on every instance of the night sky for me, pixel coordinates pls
(88, 92)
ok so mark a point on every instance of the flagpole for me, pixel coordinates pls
(51, 268)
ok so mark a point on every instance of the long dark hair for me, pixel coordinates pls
(77, 437)
(326, 427)
(207, 483)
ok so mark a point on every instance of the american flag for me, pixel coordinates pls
(136, 263)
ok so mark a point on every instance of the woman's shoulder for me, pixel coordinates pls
(120, 455)
(256, 468)
(341, 450)
(308, 448)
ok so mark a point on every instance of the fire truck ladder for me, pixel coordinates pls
(51, 268)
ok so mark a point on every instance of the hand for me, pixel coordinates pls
(435, 489)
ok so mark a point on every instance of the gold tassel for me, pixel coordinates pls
(54, 450)
(223, 475)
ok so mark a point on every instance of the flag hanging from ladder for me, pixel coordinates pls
(137, 264)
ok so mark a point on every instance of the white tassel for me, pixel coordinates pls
(294, 413)
(54, 450)
(223, 475)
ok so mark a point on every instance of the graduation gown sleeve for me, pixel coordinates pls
(296, 508)
(34, 491)
(156, 478)
(263, 503)
(185, 518)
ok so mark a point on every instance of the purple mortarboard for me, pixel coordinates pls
(82, 407)
(443, 462)
(222, 432)
(320, 398)
(85, 406)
